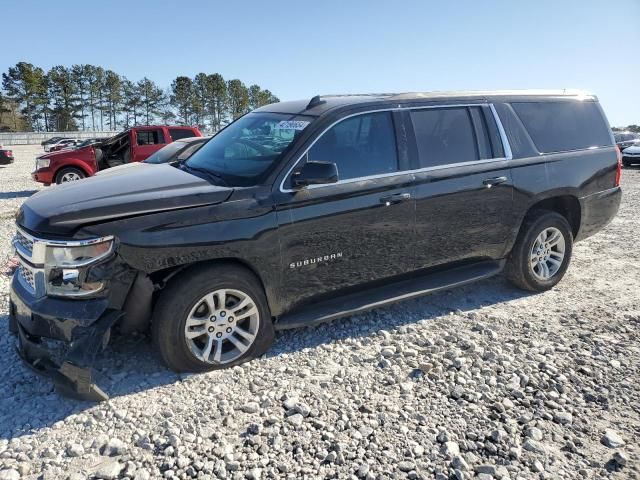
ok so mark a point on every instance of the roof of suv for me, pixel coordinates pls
(323, 103)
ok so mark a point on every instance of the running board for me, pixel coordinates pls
(353, 303)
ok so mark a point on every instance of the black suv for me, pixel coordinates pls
(306, 211)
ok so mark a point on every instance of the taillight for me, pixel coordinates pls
(9, 153)
(619, 171)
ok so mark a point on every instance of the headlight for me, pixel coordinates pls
(67, 268)
(77, 256)
(42, 163)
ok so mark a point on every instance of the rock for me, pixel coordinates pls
(290, 402)
(254, 474)
(450, 449)
(620, 458)
(295, 419)
(538, 466)
(485, 469)
(457, 392)
(109, 470)
(303, 409)
(406, 466)
(612, 439)
(142, 474)
(250, 407)
(459, 463)
(363, 470)
(114, 447)
(563, 418)
(75, 450)
(9, 474)
(533, 446)
(534, 433)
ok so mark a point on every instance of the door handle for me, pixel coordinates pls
(395, 198)
(490, 182)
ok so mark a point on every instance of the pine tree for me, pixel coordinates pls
(181, 98)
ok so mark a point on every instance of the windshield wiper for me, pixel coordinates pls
(208, 174)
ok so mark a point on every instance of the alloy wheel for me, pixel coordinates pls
(222, 326)
(547, 253)
(70, 177)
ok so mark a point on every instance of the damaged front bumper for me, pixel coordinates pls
(60, 338)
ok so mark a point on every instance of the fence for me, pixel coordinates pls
(35, 138)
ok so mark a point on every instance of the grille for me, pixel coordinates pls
(24, 242)
(27, 275)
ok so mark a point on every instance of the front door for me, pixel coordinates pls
(359, 230)
(147, 142)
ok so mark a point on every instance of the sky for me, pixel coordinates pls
(298, 49)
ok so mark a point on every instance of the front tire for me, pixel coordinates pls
(69, 174)
(210, 318)
(542, 252)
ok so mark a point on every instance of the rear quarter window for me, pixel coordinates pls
(178, 133)
(563, 126)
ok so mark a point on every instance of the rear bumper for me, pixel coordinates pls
(597, 210)
(59, 339)
(6, 160)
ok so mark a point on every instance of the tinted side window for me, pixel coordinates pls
(361, 146)
(562, 126)
(444, 136)
(149, 137)
(178, 133)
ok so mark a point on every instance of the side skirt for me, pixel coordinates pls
(384, 295)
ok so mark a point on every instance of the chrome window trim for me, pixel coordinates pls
(503, 138)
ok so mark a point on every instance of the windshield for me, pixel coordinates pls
(165, 154)
(247, 149)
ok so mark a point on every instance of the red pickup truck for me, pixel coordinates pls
(132, 145)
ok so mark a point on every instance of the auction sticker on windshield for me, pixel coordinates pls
(293, 124)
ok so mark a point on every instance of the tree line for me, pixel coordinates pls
(89, 97)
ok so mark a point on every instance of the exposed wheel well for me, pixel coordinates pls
(165, 276)
(568, 206)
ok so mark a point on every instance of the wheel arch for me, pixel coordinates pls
(165, 276)
(566, 205)
(77, 165)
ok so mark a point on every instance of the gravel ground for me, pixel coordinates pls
(480, 382)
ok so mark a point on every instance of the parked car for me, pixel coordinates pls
(64, 144)
(49, 146)
(178, 151)
(132, 145)
(306, 211)
(90, 141)
(51, 140)
(626, 139)
(631, 156)
(6, 156)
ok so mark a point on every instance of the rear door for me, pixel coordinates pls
(356, 231)
(146, 142)
(464, 190)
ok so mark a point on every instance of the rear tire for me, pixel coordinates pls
(542, 252)
(69, 174)
(212, 317)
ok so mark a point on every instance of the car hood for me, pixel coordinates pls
(65, 151)
(134, 190)
(633, 149)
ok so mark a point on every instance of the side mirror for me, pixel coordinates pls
(315, 173)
